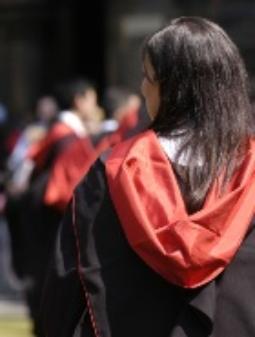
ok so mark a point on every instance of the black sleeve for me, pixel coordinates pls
(63, 301)
(63, 304)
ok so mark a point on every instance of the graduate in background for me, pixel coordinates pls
(40, 208)
(46, 111)
(126, 117)
(69, 143)
(159, 239)
(72, 164)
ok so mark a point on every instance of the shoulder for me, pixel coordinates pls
(137, 142)
(88, 200)
(58, 130)
(132, 153)
(93, 184)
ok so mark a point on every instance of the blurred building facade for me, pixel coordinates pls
(131, 22)
(44, 42)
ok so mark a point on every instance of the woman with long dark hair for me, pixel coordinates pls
(159, 238)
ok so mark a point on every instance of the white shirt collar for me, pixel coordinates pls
(74, 122)
(171, 147)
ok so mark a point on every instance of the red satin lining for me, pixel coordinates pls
(66, 172)
(38, 152)
(187, 250)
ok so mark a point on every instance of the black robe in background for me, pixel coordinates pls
(126, 298)
(33, 226)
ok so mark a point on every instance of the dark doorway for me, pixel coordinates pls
(43, 43)
(75, 42)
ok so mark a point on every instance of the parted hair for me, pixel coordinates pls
(203, 97)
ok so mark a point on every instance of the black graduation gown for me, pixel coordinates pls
(33, 226)
(115, 294)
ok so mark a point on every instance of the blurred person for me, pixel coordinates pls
(84, 105)
(118, 101)
(18, 170)
(39, 210)
(159, 237)
(80, 98)
(46, 111)
(94, 122)
(116, 105)
(10, 131)
(3, 124)
(73, 163)
(125, 118)
(70, 131)
(3, 152)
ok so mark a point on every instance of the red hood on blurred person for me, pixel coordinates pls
(127, 123)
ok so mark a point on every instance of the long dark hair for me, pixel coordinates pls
(203, 89)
